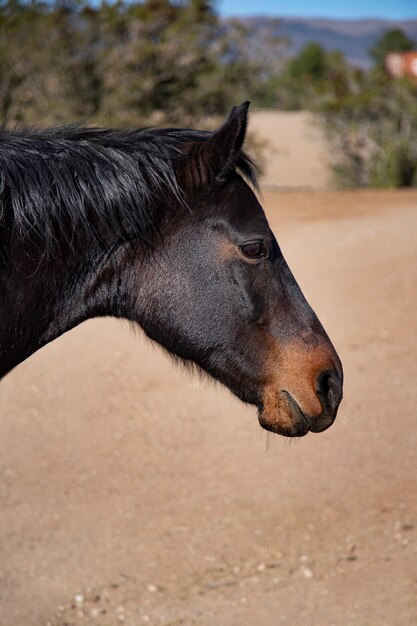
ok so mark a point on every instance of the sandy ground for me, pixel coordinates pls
(132, 494)
(293, 150)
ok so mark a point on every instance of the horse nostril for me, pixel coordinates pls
(329, 389)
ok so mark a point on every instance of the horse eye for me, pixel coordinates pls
(254, 250)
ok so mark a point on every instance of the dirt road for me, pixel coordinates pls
(293, 149)
(130, 493)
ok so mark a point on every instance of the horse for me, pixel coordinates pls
(161, 227)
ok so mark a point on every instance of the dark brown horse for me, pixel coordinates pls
(158, 226)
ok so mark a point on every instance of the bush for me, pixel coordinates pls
(312, 77)
(373, 134)
(126, 63)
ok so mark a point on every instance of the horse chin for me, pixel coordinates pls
(290, 423)
(296, 430)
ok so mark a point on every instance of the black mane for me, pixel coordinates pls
(109, 182)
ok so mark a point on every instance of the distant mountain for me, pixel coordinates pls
(352, 37)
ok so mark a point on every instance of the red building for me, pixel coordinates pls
(401, 64)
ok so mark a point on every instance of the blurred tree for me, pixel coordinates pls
(394, 40)
(310, 63)
(47, 62)
(155, 56)
(250, 57)
(126, 62)
(313, 76)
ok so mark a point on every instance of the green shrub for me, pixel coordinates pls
(372, 134)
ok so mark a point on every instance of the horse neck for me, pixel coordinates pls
(44, 296)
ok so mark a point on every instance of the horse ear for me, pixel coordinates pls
(214, 158)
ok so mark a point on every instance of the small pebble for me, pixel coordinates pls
(79, 598)
(307, 573)
(152, 588)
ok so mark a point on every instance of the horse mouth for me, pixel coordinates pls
(292, 424)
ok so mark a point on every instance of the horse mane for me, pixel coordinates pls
(109, 182)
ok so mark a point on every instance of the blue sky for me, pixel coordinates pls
(351, 9)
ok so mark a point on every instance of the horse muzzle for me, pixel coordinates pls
(297, 412)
